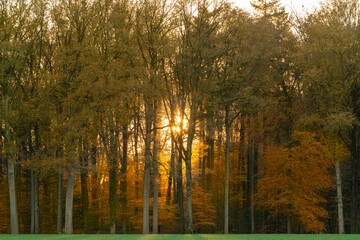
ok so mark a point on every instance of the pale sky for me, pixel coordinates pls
(297, 5)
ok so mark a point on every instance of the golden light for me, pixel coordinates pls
(178, 121)
(176, 126)
(176, 129)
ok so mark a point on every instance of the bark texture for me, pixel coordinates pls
(339, 198)
(59, 202)
(69, 201)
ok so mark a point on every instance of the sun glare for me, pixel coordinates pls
(177, 123)
(176, 129)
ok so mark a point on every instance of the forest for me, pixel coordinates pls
(183, 116)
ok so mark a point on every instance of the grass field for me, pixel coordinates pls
(182, 237)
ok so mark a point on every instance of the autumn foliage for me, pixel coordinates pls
(293, 180)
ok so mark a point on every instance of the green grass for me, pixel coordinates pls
(181, 237)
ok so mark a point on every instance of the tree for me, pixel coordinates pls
(293, 178)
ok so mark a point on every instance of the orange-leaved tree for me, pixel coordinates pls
(293, 179)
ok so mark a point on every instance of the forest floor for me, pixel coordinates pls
(181, 237)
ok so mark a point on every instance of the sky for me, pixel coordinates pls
(297, 5)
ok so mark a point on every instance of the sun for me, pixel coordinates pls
(176, 129)
(176, 126)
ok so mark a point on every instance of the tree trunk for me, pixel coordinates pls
(123, 179)
(11, 176)
(136, 157)
(155, 197)
(180, 194)
(12, 196)
(36, 185)
(84, 189)
(289, 225)
(36, 205)
(191, 133)
(171, 172)
(227, 151)
(202, 158)
(339, 198)
(251, 184)
(95, 190)
(354, 181)
(113, 180)
(210, 141)
(156, 175)
(174, 188)
(69, 201)
(148, 122)
(59, 206)
(179, 176)
(32, 203)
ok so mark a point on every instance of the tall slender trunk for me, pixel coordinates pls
(95, 189)
(136, 157)
(113, 180)
(156, 174)
(179, 175)
(36, 205)
(171, 173)
(174, 188)
(59, 206)
(210, 141)
(69, 201)
(13, 209)
(251, 184)
(148, 123)
(227, 151)
(191, 133)
(84, 189)
(32, 203)
(354, 180)
(202, 158)
(11, 174)
(171, 177)
(36, 185)
(123, 179)
(180, 194)
(339, 198)
(155, 192)
(289, 225)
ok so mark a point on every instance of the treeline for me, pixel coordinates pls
(157, 116)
